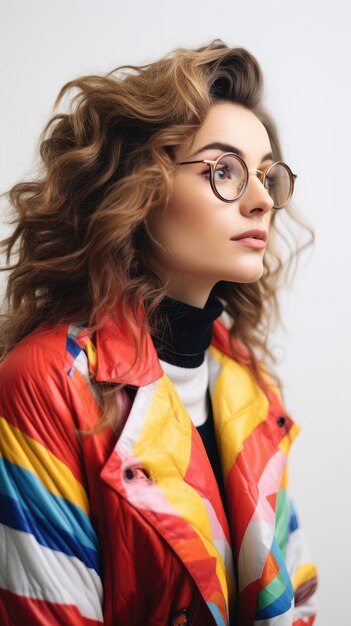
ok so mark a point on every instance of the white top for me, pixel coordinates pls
(191, 384)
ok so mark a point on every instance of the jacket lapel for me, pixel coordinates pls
(254, 433)
(160, 466)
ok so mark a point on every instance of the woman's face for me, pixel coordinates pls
(197, 230)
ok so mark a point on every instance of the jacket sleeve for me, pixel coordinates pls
(294, 547)
(49, 566)
(302, 571)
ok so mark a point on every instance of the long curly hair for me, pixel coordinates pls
(106, 163)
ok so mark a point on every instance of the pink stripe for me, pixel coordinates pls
(268, 485)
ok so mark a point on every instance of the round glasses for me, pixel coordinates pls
(229, 177)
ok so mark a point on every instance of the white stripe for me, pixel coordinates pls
(254, 550)
(34, 571)
(297, 554)
(81, 364)
(136, 418)
(259, 534)
(297, 551)
(224, 550)
(73, 331)
(219, 538)
(307, 609)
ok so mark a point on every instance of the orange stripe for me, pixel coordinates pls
(270, 571)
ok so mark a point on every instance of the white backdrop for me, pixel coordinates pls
(304, 50)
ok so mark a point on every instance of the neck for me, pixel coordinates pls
(195, 293)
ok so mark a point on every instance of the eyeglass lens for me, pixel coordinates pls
(278, 184)
(230, 176)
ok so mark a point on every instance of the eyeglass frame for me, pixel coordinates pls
(261, 178)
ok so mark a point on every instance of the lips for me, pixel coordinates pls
(254, 233)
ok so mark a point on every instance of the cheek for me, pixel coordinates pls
(269, 219)
(190, 213)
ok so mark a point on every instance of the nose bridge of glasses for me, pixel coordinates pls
(261, 177)
(257, 173)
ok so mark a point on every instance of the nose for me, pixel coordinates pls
(256, 198)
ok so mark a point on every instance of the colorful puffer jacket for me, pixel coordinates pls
(130, 530)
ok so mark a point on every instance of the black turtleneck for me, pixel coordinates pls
(186, 333)
(186, 330)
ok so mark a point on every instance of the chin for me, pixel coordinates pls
(247, 276)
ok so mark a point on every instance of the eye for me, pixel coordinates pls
(274, 176)
(229, 168)
(222, 172)
(272, 180)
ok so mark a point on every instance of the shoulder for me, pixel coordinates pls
(34, 353)
(46, 350)
(40, 381)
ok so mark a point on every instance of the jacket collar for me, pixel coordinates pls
(116, 356)
(117, 361)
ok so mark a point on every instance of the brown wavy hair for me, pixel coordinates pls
(106, 163)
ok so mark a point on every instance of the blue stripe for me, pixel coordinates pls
(277, 553)
(72, 347)
(48, 517)
(216, 613)
(293, 521)
(12, 514)
(279, 606)
(283, 602)
(21, 484)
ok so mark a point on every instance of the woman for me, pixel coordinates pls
(143, 442)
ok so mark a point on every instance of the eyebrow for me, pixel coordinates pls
(228, 148)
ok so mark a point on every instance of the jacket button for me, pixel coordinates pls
(132, 473)
(180, 618)
(281, 420)
(129, 474)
